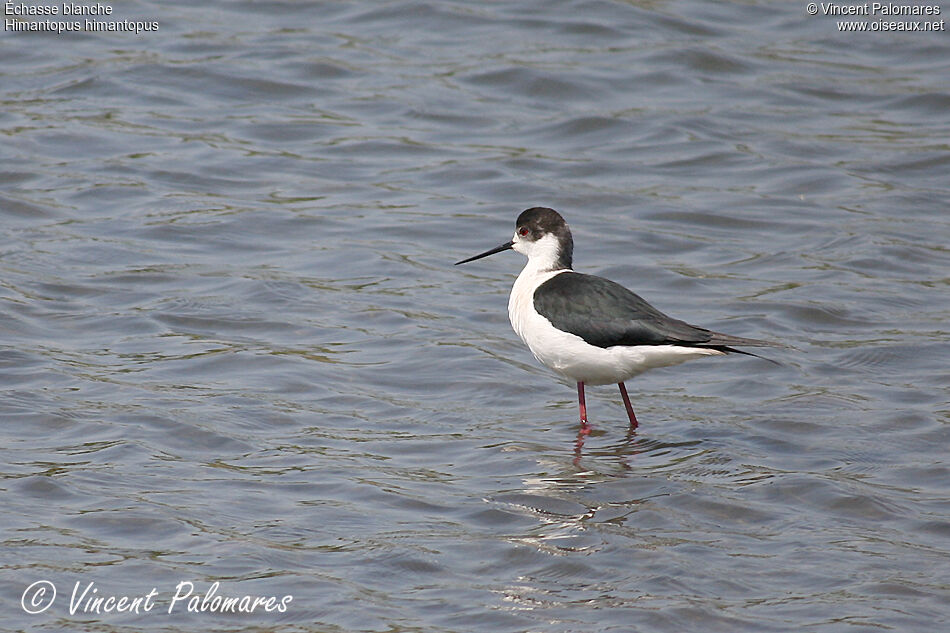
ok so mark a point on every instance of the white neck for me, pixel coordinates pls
(542, 255)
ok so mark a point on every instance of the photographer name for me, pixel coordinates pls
(872, 8)
(87, 599)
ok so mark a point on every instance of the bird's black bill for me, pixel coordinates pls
(497, 249)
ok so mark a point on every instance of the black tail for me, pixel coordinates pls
(725, 343)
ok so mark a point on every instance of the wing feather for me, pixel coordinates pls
(604, 314)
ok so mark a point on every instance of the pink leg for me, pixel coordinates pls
(585, 429)
(626, 403)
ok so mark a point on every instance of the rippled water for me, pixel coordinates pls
(234, 348)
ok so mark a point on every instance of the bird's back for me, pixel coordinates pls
(605, 314)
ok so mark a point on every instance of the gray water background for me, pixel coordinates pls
(233, 346)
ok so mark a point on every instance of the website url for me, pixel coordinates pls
(886, 25)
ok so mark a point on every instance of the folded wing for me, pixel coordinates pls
(604, 314)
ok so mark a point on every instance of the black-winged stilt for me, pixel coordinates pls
(589, 329)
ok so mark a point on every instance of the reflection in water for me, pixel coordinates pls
(585, 430)
(700, 460)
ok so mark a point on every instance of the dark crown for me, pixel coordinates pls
(541, 221)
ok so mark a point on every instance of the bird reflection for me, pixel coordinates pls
(624, 450)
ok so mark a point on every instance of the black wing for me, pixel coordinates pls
(604, 313)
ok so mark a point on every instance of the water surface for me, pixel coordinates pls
(233, 347)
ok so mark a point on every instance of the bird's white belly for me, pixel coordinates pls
(570, 356)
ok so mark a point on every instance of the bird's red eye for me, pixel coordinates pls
(523, 231)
